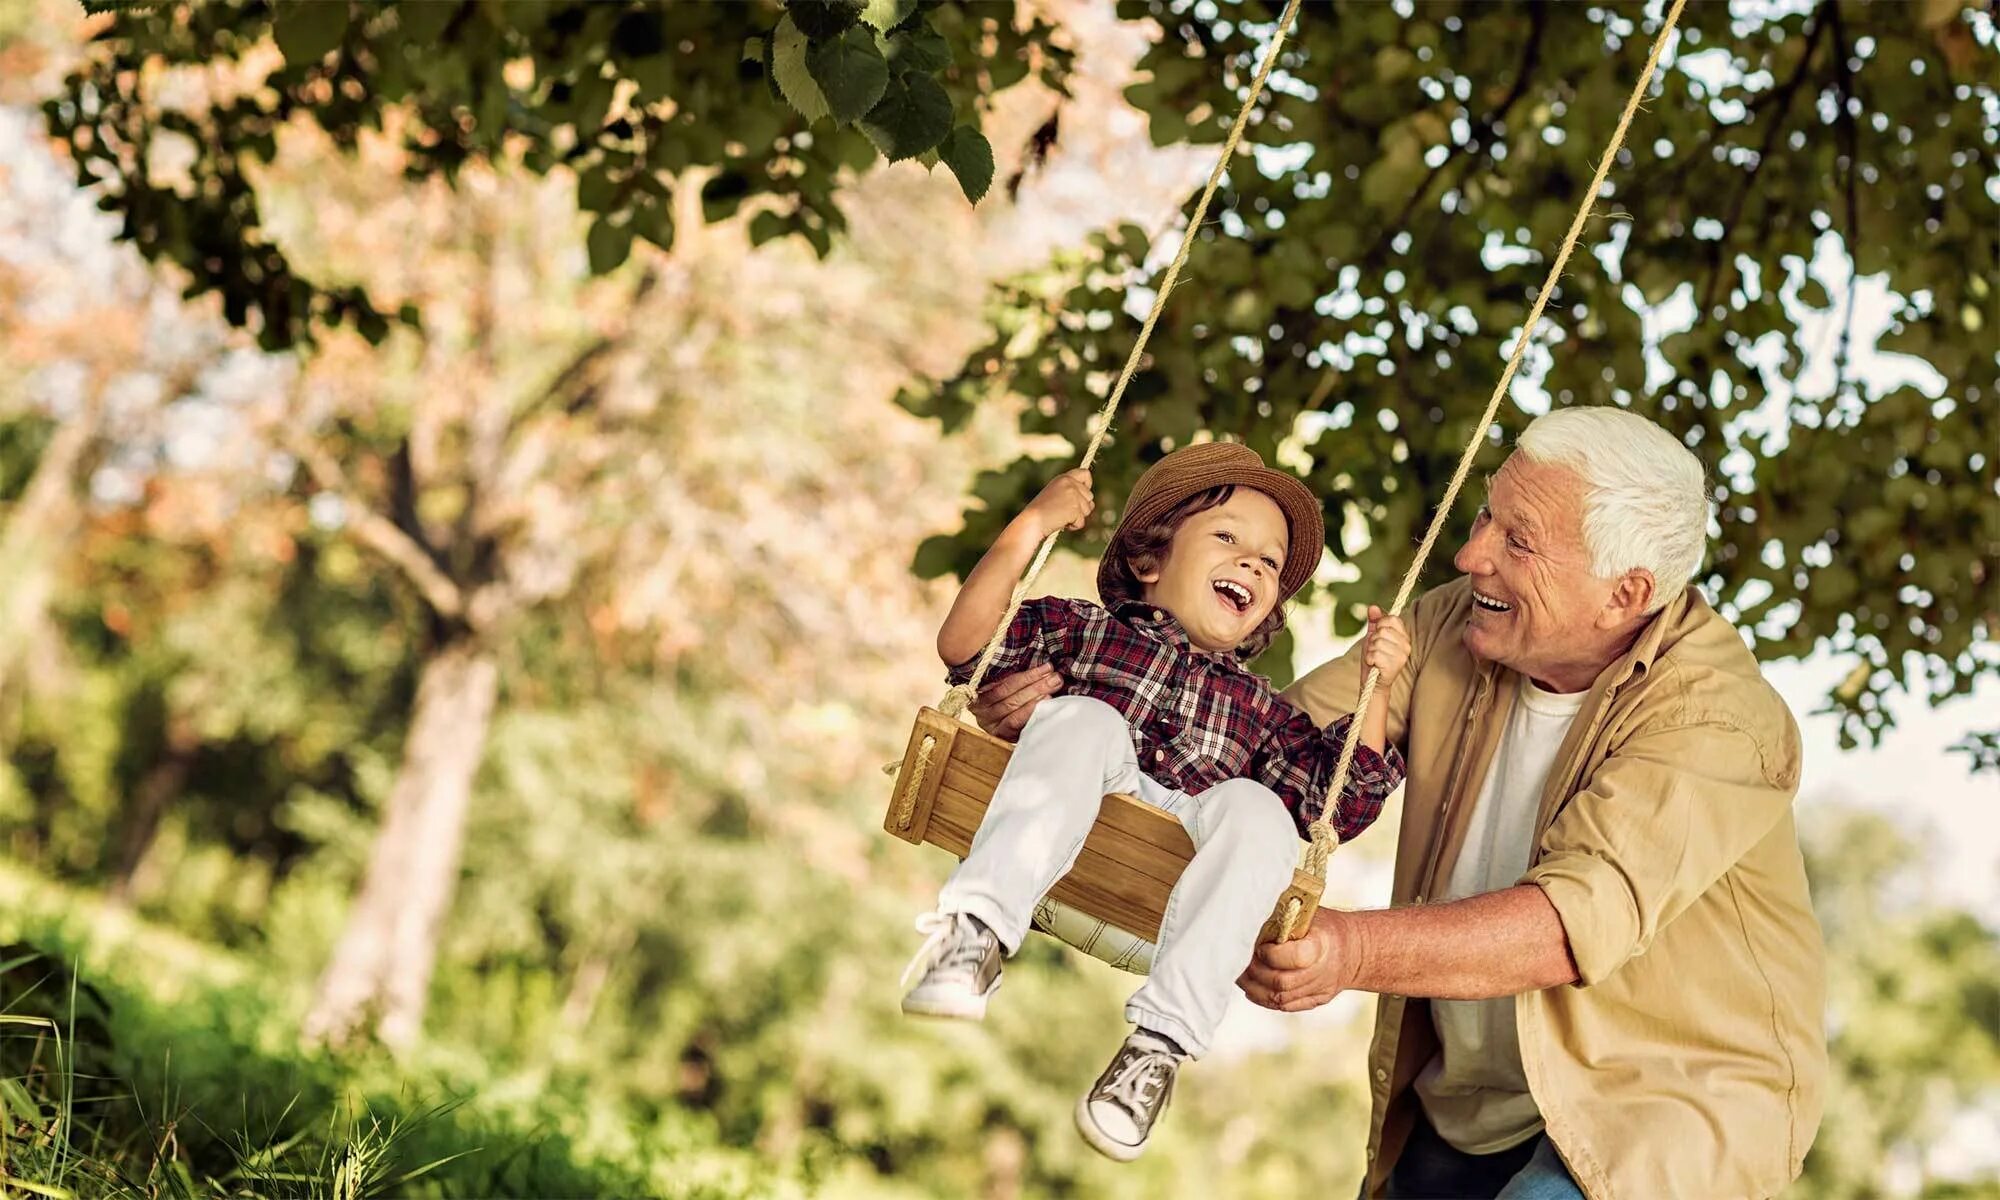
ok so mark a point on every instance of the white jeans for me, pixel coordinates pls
(1075, 750)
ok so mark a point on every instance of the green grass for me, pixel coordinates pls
(135, 1063)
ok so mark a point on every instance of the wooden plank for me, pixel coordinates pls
(929, 723)
(955, 818)
(1142, 822)
(1097, 888)
(984, 752)
(1129, 863)
(1128, 830)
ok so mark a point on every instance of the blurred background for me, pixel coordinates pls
(479, 483)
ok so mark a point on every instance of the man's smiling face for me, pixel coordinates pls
(1538, 607)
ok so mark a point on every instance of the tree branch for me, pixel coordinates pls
(1720, 254)
(377, 533)
(1852, 146)
(1478, 141)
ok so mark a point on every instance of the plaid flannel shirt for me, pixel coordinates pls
(1197, 717)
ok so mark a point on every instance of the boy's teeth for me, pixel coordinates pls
(1235, 593)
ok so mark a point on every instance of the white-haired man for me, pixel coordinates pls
(1601, 975)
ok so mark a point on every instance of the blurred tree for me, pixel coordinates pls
(491, 460)
(1913, 1008)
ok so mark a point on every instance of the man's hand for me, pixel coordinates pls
(1295, 976)
(1005, 704)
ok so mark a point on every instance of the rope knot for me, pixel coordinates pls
(956, 699)
(1324, 842)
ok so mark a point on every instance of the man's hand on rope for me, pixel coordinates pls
(1298, 975)
(1006, 703)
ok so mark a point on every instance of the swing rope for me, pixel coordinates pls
(958, 697)
(1324, 840)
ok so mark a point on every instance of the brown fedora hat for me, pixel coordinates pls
(1193, 470)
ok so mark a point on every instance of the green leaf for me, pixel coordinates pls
(914, 115)
(595, 190)
(767, 226)
(850, 72)
(654, 221)
(917, 49)
(308, 32)
(887, 14)
(793, 77)
(424, 23)
(610, 245)
(824, 18)
(753, 50)
(654, 74)
(722, 195)
(936, 555)
(966, 151)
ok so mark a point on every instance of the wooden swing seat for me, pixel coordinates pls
(1129, 864)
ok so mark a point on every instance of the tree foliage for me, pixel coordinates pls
(1408, 175)
(635, 100)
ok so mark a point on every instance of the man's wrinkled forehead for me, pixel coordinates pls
(1536, 498)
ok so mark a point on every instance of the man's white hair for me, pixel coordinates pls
(1645, 498)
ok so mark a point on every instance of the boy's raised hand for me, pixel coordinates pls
(1065, 504)
(1388, 645)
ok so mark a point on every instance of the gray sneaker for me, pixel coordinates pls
(960, 961)
(1117, 1114)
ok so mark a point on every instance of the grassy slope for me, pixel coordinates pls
(193, 1084)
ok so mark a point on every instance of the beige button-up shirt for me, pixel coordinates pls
(1690, 1058)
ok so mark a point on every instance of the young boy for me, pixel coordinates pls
(1158, 704)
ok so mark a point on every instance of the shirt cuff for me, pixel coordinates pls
(1596, 908)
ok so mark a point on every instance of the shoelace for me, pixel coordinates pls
(937, 928)
(1139, 1079)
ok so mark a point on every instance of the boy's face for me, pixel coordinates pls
(1220, 574)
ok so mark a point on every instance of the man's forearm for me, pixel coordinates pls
(1499, 944)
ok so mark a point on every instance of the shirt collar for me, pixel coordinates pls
(1162, 625)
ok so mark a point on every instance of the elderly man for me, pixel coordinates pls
(1601, 975)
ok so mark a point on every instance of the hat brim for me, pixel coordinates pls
(1301, 509)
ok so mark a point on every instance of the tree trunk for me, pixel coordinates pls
(381, 968)
(41, 526)
(157, 789)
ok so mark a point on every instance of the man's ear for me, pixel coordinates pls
(1630, 597)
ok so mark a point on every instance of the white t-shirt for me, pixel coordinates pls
(1475, 1091)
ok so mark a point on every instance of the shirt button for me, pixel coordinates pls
(1371, 1154)
(1158, 615)
(1381, 1075)
(1159, 756)
(1420, 899)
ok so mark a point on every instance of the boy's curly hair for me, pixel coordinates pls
(1144, 549)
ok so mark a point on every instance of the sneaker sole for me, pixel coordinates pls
(950, 1008)
(1116, 1151)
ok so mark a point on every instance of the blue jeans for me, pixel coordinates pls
(1432, 1169)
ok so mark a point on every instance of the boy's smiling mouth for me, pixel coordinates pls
(1234, 595)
